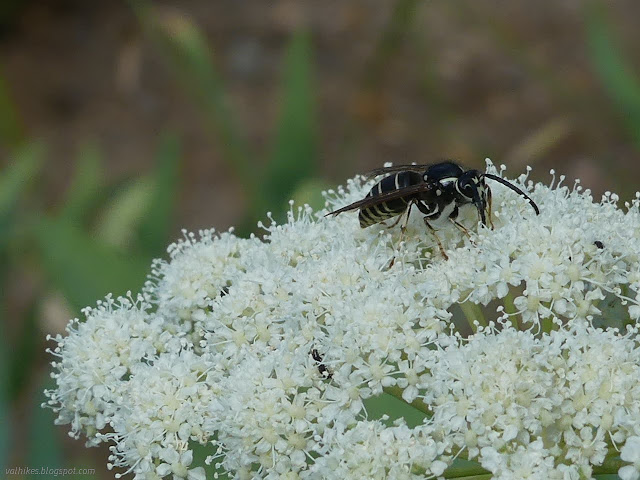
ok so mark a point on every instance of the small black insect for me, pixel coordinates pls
(322, 368)
(599, 244)
(437, 190)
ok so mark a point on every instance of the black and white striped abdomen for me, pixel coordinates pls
(378, 213)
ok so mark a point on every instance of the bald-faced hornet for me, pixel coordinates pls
(437, 190)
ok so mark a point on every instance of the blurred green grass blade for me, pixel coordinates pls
(82, 268)
(44, 448)
(24, 351)
(390, 41)
(15, 179)
(85, 189)
(16, 176)
(156, 224)
(10, 126)
(293, 157)
(621, 84)
(190, 58)
(123, 214)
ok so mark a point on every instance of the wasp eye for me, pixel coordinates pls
(466, 186)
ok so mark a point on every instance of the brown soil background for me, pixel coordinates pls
(512, 81)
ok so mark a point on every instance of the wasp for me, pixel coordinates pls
(438, 191)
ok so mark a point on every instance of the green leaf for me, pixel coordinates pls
(155, 226)
(394, 408)
(619, 81)
(293, 156)
(43, 444)
(466, 469)
(15, 177)
(82, 268)
(142, 210)
(24, 352)
(124, 213)
(85, 190)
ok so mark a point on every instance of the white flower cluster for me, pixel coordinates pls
(549, 407)
(268, 351)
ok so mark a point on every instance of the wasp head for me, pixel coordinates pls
(473, 189)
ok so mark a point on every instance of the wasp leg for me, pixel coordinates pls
(403, 228)
(461, 227)
(397, 220)
(433, 232)
(489, 207)
(428, 214)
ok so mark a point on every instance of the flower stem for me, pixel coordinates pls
(510, 308)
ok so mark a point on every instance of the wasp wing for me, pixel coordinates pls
(420, 168)
(386, 197)
(395, 169)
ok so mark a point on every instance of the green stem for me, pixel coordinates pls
(510, 308)
(418, 404)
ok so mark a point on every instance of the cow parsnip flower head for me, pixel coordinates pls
(519, 352)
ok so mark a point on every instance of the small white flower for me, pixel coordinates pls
(371, 450)
(630, 453)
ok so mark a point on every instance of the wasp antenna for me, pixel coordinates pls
(515, 189)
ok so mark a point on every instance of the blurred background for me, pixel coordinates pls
(123, 122)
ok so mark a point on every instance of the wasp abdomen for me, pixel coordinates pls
(378, 213)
